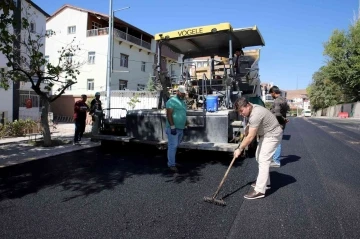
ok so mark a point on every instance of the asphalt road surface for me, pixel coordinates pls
(129, 193)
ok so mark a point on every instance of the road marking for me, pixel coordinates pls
(340, 136)
(353, 142)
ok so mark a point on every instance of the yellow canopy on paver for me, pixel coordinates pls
(210, 40)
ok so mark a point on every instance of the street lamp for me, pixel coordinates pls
(110, 53)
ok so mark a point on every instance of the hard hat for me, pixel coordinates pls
(97, 94)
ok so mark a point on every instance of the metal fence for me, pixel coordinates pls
(25, 95)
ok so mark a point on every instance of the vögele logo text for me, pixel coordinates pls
(190, 32)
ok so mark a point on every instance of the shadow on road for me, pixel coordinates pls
(289, 159)
(91, 171)
(279, 180)
(286, 137)
(236, 190)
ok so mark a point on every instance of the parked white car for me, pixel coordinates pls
(307, 113)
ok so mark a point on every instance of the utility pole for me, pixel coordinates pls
(109, 59)
(17, 55)
(110, 53)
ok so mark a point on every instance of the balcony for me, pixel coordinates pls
(119, 34)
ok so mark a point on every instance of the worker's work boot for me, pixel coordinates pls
(254, 195)
(275, 165)
(173, 169)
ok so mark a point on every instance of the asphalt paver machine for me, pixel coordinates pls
(218, 129)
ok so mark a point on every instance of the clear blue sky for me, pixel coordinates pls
(294, 30)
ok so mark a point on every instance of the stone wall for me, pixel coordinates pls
(333, 111)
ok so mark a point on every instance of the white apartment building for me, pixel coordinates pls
(133, 50)
(37, 18)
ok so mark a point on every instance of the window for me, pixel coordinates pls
(68, 58)
(35, 80)
(46, 61)
(72, 30)
(122, 84)
(95, 25)
(90, 84)
(268, 97)
(23, 61)
(25, 94)
(91, 57)
(49, 32)
(32, 27)
(2, 75)
(32, 65)
(141, 87)
(124, 60)
(143, 64)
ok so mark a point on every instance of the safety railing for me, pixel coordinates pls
(119, 34)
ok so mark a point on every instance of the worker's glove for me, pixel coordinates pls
(173, 130)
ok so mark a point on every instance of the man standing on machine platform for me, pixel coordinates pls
(262, 123)
(237, 60)
(175, 124)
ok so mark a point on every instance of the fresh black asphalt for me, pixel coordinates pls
(129, 193)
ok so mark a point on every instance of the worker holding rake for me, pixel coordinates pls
(264, 124)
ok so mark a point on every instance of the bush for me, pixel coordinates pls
(18, 128)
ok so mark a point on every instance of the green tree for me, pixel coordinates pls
(150, 84)
(134, 100)
(268, 105)
(324, 92)
(343, 61)
(26, 62)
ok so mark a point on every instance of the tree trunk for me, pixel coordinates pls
(45, 123)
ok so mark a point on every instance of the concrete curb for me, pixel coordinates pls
(73, 148)
(328, 117)
(17, 140)
(14, 142)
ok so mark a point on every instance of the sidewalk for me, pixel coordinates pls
(18, 150)
(61, 130)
